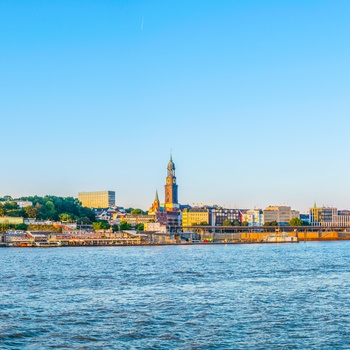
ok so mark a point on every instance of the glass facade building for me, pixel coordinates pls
(99, 199)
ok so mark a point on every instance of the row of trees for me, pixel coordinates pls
(136, 211)
(19, 227)
(292, 222)
(51, 208)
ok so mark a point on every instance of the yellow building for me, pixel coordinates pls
(136, 219)
(11, 220)
(328, 216)
(195, 216)
(99, 199)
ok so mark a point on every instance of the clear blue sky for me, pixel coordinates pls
(252, 96)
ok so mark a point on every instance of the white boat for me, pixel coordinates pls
(47, 244)
(279, 238)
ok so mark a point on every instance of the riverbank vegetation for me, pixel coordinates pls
(51, 208)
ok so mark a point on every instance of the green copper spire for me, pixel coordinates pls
(171, 155)
(156, 198)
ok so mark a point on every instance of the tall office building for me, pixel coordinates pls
(99, 199)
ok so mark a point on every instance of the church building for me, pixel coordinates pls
(171, 189)
(169, 213)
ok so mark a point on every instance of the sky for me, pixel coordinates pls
(251, 96)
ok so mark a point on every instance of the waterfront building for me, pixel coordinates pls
(305, 218)
(254, 217)
(281, 214)
(154, 227)
(195, 216)
(136, 219)
(16, 237)
(169, 218)
(342, 219)
(223, 214)
(322, 216)
(329, 216)
(99, 199)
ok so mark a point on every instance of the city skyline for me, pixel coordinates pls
(168, 202)
(251, 96)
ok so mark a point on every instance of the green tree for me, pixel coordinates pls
(139, 227)
(84, 220)
(296, 222)
(124, 226)
(2, 211)
(50, 210)
(21, 227)
(16, 213)
(64, 217)
(245, 223)
(101, 225)
(115, 228)
(136, 211)
(203, 223)
(84, 212)
(11, 206)
(227, 223)
(271, 223)
(5, 226)
(31, 212)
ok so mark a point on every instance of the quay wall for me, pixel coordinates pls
(302, 236)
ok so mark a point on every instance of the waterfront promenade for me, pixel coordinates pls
(178, 236)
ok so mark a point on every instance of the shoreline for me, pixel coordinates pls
(4, 245)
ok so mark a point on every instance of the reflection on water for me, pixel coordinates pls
(293, 296)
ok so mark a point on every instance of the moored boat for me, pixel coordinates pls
(280, 238)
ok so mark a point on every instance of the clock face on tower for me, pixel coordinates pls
(168, 180)
(174, 181)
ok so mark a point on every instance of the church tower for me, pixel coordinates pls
(171, 198)
(155, 208)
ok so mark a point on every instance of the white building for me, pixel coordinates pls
(24, 204)
(155, 227)
(254, 217)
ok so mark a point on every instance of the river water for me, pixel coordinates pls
(252, 296)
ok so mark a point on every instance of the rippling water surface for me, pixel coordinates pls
(268, 296)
